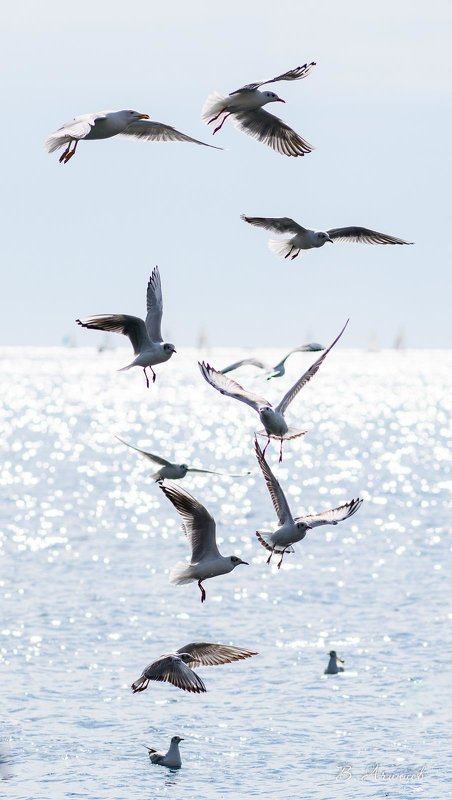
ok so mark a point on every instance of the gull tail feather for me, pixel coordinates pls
(265, 540)
(213, 106)
(283, 248)
(181, 573)
(124, 368)
(136, 685)
(55, 142)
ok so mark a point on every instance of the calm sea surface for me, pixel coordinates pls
(87, 540)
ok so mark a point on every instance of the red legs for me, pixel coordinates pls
(153, 375)
(223, 111)
(219, 127)
(68, 153)
(265, 448)
(283, 553)
(280, 451)
(146, 376)
(203, 591)
(270, 556)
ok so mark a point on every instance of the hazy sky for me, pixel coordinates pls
(83, 238)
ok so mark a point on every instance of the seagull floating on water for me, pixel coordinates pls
(277, 371)
(246, 106)
(333, 668)
(305, 239)
(175, 471)
(145, 336)
(272, 418)
(171, 759)
(293, 529)
(175, 667)
(105, 124)
(206, 560)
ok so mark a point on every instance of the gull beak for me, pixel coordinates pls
(174, 350)
(181, 739)
(144, 116)
(280, 100)
(330, 240)
(244, 562)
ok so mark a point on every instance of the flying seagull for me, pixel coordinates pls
(105, 124)
(272, 418)
(279, 369)
(206, 560)
(145, 336)
(174, 471)
(175, 667)
(170, 759)
(293, 529)
(246, 106)
(305, 239)
(333, 667)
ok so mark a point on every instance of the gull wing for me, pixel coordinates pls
(157, 459)
(159, 132)
(231, 388)
(271, 130)
(154, 306)
(172, 670)
(207, 654)
(198, 524)
(277, 224)
(292, 75)
(278, 370)
(364, 235)
(224, 474)
(133, 327)
(332, 516)
(252, 362)
(306, 376)
(277, 495)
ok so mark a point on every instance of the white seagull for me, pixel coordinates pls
(206, 560)
(333, 667)
(305, 239)
(246, 106)
(272, 418)
(105, 124)
(175, 667)
(174, 471)
(145, 336)
(171, 759)
(277, 371)
(293, 529)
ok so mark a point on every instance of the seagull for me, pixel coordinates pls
(333, 668)
(206, 560)
(170, 759)
(175, 667)
(272, 418)
(145, 337)
(279, 370)
(293, 529)
(174, 471)
(246, 106)
(305, 239)
(105, 124)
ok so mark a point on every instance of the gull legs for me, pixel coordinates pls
(282, 556)
(219, 127)
(68, 153)
(146, 376)
(203, 591)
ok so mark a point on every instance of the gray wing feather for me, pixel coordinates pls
(292, 75)
(273, 131)
(231, 388)
(364, 235)
(209, 654)
(159, 132)
(277, 224)
(133, 327)
(154, 306)
(157, 459)
(307, 376)
(332, 516)
(171, 669)
(253, 362)
(277, 495)
(198, 523)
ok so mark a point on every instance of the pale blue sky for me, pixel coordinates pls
(83, 238)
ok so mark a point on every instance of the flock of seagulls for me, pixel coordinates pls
(246, 107)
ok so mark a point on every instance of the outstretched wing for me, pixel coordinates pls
(307, 376)
(133, 327)
(198, 524)
(158, 132)
(252, 362)
(277, 224)
(332, 516)
(292, 75)
(208, 654)
(279, 369)
(271, 130)
(154, 306)
(223, 474)
(157, 459)
(277, 495)
(364, 235)
(172, 670)
(230, 388)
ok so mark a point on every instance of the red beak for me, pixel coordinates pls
(280, 100)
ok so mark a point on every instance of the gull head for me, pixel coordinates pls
(235, 561)
(134, 116)
(169, 348)
(176, 739)
(320, 237)
(271, 97)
